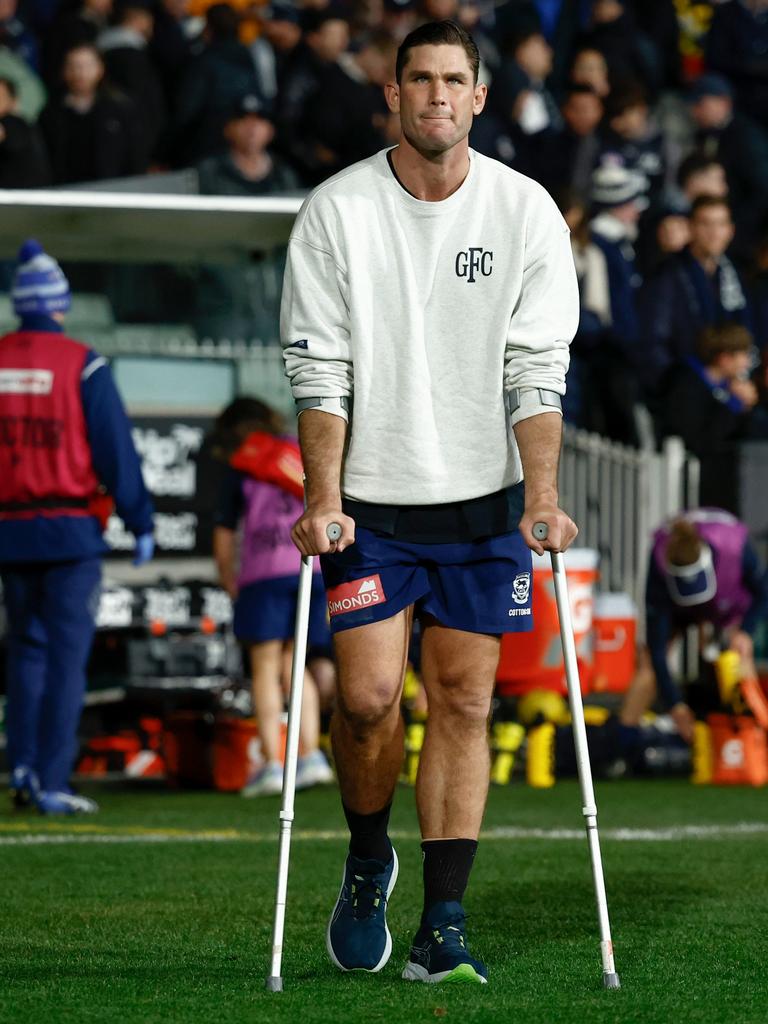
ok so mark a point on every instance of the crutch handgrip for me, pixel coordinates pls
(333, 531)
(540, 531)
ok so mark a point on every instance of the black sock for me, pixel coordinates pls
(368, 837)
(447, 864)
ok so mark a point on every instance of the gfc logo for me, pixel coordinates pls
(474, 261)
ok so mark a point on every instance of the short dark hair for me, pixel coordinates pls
(241, 417)
(579, 89)
(708, 203)
(90, 47)
(222, 22)
(438, 33)
(521, 36)
(722, 340)
(621, 100)
(683, 545)
(695, 163)
(313, 18)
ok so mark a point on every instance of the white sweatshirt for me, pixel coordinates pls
(425, 313)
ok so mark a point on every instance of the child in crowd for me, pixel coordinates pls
(260, 499)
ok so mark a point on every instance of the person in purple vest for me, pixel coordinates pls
(65, 443)
(703, 570)
(260, 502)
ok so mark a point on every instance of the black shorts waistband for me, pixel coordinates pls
(452, 522)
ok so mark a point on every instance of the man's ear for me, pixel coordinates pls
(392, 96)
(481, 94)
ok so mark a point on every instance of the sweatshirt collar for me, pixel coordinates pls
(424, 206)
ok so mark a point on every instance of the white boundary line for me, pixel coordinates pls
(93, 834)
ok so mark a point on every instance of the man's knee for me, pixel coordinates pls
(364, 710)
(462, 694)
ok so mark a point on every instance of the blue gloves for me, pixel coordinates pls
(145, 548)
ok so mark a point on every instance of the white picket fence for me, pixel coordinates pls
(618, 496)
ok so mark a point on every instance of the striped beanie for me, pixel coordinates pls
(39, 286)
(614, 186)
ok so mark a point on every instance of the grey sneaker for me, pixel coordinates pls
(268, 781)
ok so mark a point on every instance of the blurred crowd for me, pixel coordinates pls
(647, 120)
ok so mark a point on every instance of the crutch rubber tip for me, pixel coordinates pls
(274, 984)
(611, 981)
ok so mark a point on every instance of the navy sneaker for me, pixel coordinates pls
(439, 949)
(358, 938)
(25, 788)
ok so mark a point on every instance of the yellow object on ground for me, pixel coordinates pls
(728, 673)
(540, 760)
(594, 715)
(702, 754)
(411, 684)
(506, 740)
(414, 741)
(545, 704)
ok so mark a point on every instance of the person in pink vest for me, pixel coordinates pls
(65, 444)
(260, 498)
(703, 570)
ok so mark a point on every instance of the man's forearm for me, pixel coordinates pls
(322, 436)
(538, 440)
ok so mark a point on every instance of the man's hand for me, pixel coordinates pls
(144, 550)
(310, 535)
(745, 391)
(741, 642)
(684, 721)
(562, 529)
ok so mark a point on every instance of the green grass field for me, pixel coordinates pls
(160, 909)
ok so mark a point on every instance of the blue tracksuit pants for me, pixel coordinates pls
(51, 610)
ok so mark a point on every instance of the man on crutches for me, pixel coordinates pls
(433, 288)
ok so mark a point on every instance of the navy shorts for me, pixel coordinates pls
(482, 586)
(266, 610)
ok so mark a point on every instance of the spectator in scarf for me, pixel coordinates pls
(696, 288)
(707, 401)
(740, 144)
(601, 380)
(631, 138)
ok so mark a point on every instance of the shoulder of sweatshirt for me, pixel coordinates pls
(532, 193)
(323, 200)
(315, 220)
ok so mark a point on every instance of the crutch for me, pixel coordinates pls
(275, 980)
(589, 809)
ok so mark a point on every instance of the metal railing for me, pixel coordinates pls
(618, 496)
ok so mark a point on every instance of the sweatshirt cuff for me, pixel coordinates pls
(335, 406)
(522, 403)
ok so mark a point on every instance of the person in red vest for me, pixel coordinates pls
(64, 440)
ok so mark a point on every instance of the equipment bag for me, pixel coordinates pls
(272, 460)
(739, 751)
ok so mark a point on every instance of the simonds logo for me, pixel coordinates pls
(351, 597)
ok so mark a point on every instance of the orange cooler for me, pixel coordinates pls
(615, 625)
(740, 751)
(534, 661)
